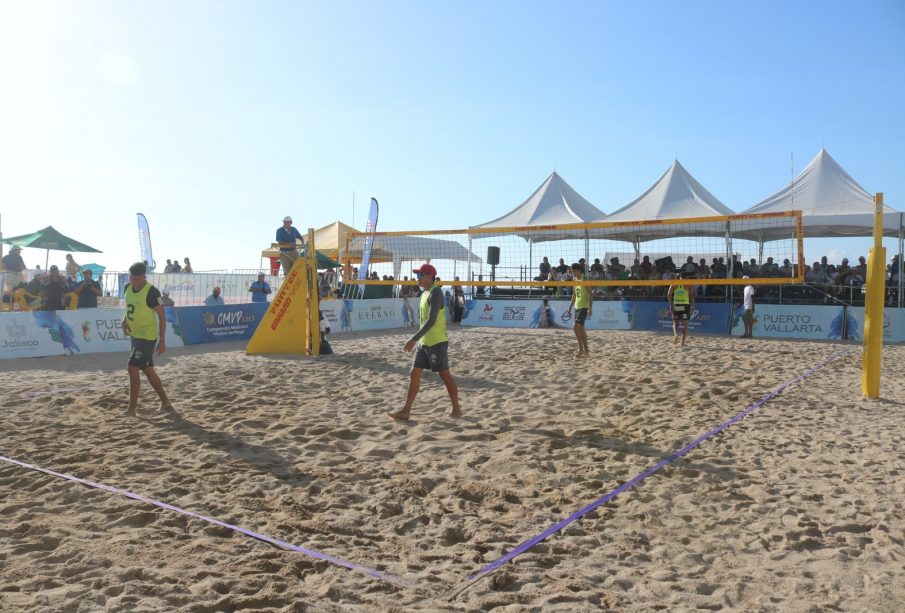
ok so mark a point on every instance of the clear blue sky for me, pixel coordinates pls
(216, 119)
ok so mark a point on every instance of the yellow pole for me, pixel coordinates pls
(313, 303)
(873, 308)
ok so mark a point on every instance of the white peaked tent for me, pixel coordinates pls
(675, 195)
(832, 204)
(553, 203)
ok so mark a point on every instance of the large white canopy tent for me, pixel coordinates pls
(408, 248)
(554, 203)
(675, 195)
(832, 204)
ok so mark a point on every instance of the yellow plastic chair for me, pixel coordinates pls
(22, 297)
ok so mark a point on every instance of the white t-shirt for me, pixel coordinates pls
(749, 297)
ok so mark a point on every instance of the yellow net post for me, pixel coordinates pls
(314, 330)
(873, 308)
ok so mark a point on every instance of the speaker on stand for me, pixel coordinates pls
(493, 258)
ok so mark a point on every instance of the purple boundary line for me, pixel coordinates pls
(644, 475)
(399, 581)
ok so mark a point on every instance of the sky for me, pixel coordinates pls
(216, 119)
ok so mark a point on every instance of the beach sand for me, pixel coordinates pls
(798, 507)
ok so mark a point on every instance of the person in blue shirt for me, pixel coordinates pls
(259, 289)
(214, 299)
(286, 237)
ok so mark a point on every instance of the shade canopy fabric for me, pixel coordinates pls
(50, 238)
(553, 203)
(831, 202)
(416, 248)
(675, 195)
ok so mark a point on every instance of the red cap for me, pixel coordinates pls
(426, 269)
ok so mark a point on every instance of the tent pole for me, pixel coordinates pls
(901, 245)
(530, 253)
(469, 261)
(587, 251)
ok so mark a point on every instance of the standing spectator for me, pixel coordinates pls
(54, 291)
(13, 266)
(287, 236)
(176, 266)
(145, 321)
(748, 315)
(168, 267)
(323, 286)
(188, 266)
(72, 269)
(214, 299)
(689, 268)
(647, 268)
(259, 289)
(544, 269)
(88, 290)
(458, 302)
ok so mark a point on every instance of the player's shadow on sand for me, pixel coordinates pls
(257, 456)
(377, 365)
(617, 446)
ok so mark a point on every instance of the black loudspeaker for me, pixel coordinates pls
(493, 256)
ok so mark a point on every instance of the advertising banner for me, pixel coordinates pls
(190, 289)
(34, 334)
(794, 321)
(212, 324)
(706, 317)
(100, 330)
(893, 324)
(377, 314)
(605, 315)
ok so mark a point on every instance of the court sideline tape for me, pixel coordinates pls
(525, 546)
(398, 581)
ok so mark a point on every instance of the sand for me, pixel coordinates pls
(798, 507)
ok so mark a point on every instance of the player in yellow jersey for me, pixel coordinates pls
(681, 303)
(145, 322)
(432, 343)
(583, 301)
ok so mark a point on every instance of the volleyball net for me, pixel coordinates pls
(768, 248)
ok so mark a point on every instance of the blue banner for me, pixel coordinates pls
(144, 242)
(214, 324)
(707, 317)
(369, 242)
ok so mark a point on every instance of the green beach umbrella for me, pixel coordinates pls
(49, 238)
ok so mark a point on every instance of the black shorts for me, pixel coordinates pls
(581, 315)
(434, 358)
(142, 355)
(681, 311)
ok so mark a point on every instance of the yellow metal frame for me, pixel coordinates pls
(313, 323)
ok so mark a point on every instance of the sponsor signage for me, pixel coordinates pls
(893, 324)
(100, 330)
(376, 314)
(213, 324)
(794, 321)
(706, 317)
(23, 335)
(605, 315)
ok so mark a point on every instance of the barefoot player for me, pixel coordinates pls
(432, 343)
(681, 302)
(145, 322)
(582, 300)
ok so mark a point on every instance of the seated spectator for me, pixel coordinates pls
(188, 266)
(34, 289)
(72, 269)
(786, 269)
(88, 290)
(165, 299)
(259, 289)
(214, 299)
(176, 266)
(543, 269)
(816, 274)
(53, 291)
(636, 269)
(647, 268)
(614, 268)
(689, 268)
(562, 268)
(767, 269)
(323, 288)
